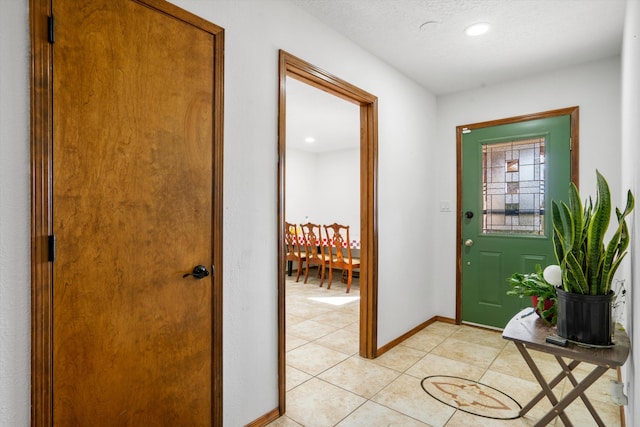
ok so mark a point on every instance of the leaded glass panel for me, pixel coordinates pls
(513, 187)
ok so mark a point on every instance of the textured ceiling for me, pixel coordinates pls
(526, 37)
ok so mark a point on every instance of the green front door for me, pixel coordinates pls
(510, 175)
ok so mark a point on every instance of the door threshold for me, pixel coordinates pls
(478, 325)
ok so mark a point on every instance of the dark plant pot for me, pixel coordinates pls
(585, 318)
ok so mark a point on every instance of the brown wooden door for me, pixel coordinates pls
(133, 211)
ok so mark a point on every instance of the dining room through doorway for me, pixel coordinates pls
(322, 178)
(322, 186)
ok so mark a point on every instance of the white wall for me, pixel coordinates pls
(631, 180)
(255, 30)
(301, 179)
(324, 188)
(594, 87)
(14, 214)
(338, 180)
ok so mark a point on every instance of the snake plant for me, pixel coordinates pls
(587, 265)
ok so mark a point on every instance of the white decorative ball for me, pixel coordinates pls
(553, 275)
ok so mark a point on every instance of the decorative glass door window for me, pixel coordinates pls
(513, 187)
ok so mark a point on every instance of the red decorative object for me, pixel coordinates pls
(547, 305)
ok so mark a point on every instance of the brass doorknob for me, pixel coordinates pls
(468, 242)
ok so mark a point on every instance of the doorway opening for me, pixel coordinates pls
(295, 68)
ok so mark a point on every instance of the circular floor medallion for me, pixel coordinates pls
(472, 397)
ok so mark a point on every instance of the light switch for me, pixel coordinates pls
(445, 206)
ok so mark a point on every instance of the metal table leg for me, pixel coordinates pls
(546, 389)
(554, 382)
(578, 390)
(583, 396)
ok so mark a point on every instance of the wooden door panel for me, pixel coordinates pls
(132, 197)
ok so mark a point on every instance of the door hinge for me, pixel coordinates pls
(52, 248)
(570, 144)
(51, 35)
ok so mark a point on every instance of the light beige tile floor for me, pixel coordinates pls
(329, 384)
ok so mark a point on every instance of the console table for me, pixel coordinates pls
(528, 331)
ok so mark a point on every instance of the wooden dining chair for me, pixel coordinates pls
(292, 247)
(315, 250)
(340, 253)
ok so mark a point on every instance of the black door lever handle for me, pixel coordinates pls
(199, 272)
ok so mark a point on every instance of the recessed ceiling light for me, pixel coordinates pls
(309, 140)
(477, 29)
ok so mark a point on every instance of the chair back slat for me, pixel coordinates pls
(292, 246)
(315, 250)
(291, 240)
(338, 237)
(339, 251)
(313, 240)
